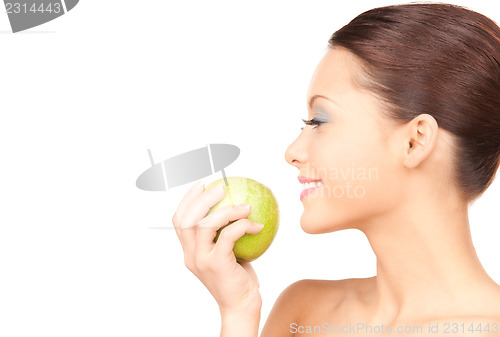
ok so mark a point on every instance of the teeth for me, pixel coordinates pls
(314, 184)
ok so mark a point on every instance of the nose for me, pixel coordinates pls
(296, 153)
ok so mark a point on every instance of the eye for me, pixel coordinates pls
(315, 122)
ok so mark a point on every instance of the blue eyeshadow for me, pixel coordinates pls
(322, 115)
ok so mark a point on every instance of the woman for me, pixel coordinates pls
(408, 97)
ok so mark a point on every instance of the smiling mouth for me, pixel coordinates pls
(309, 187)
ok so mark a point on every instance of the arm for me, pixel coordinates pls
(240, 324)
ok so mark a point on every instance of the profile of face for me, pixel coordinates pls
(356, 151)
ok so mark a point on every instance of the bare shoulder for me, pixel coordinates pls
(482, 321)
(292, 303)
(310, 298)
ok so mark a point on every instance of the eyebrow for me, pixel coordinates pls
(311, 101)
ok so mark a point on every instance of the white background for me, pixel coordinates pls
(83, 97)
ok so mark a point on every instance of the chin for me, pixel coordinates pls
(314, 226)
(317, 226)
(308, 228)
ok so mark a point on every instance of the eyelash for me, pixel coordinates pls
(314, 122)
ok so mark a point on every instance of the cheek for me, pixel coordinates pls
(360, 174)
(357, 178)
(347, 157)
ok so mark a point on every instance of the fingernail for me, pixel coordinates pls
(197, 185)
(218, 189)
(259, 225)
(244, 206)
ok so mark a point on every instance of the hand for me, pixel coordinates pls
(234, 286)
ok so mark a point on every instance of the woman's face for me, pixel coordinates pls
(351, 152)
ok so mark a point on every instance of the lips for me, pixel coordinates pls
(303, 180)
(309, 185)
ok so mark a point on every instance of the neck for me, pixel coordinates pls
(427, 262)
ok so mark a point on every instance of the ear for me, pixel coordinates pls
(421, 139)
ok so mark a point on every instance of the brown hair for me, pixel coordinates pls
(436, 59)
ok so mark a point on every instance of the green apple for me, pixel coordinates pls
(264, 210)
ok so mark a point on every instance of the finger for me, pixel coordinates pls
(229, 235)
(201, 204)
(197, 210)
(194, 191)
(208, 226)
